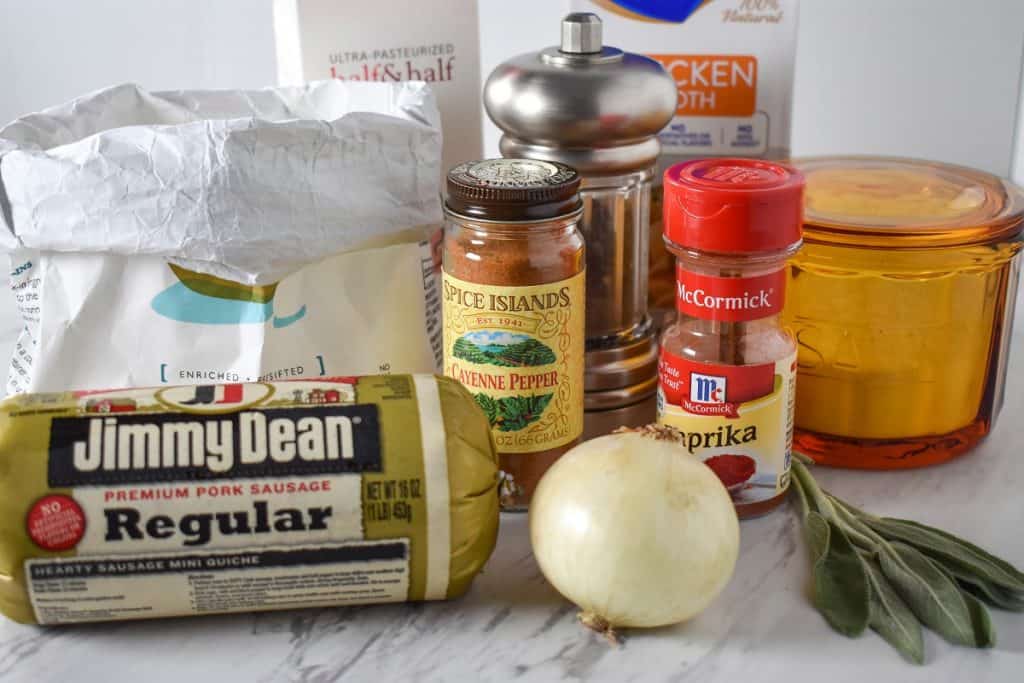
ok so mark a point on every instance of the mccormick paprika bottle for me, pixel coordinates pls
(513, 292)
(727, 367)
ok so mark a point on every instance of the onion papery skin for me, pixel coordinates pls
(634, 530)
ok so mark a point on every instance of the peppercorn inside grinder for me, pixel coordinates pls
(599, 110)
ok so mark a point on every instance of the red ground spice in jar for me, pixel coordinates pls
(727, 371)
(513, 298)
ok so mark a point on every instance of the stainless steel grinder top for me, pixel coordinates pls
(598, 109)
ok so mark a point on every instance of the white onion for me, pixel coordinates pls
(634, 530)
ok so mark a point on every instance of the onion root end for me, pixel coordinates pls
(600, 625)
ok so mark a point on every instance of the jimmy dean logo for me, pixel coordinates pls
(506, 303)
(746, 301)
(179, 447)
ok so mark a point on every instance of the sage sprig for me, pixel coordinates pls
(891, 618)
(897, 575)
(841, 591)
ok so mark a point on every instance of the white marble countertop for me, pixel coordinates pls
(512, 624)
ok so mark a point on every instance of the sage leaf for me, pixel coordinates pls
(817, 532)
(930, 593)
(841, 590)
(943, 545)
(984, 631)
(891, 618)
(989, 593)
(993, 595)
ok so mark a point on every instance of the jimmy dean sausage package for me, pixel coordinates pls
(187, 500)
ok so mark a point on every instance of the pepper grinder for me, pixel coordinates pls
(598, 109)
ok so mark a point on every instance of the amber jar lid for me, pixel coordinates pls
(513, 190)
(906, 203)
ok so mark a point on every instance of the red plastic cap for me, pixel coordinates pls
(733, 205)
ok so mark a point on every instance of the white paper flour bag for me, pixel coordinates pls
(223, 236)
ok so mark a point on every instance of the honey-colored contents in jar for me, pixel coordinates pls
(893, 343)
(901, 302)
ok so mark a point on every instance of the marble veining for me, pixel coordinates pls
(514, 626)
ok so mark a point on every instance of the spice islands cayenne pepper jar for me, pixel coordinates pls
(727, 368)
(513, 298)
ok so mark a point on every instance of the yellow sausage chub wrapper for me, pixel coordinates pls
(145, 503)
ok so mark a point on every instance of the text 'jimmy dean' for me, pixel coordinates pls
(121, 449)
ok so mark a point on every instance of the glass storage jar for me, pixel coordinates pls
(901, 302)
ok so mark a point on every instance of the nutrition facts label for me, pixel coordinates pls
(103, 588)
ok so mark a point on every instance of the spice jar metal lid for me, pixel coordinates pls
(513, 190)
(594, 107)
(733, 206)
(906, 203)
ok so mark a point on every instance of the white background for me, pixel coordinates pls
(939, 79)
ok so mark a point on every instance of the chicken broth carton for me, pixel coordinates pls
(435, 41)
(732, 61)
